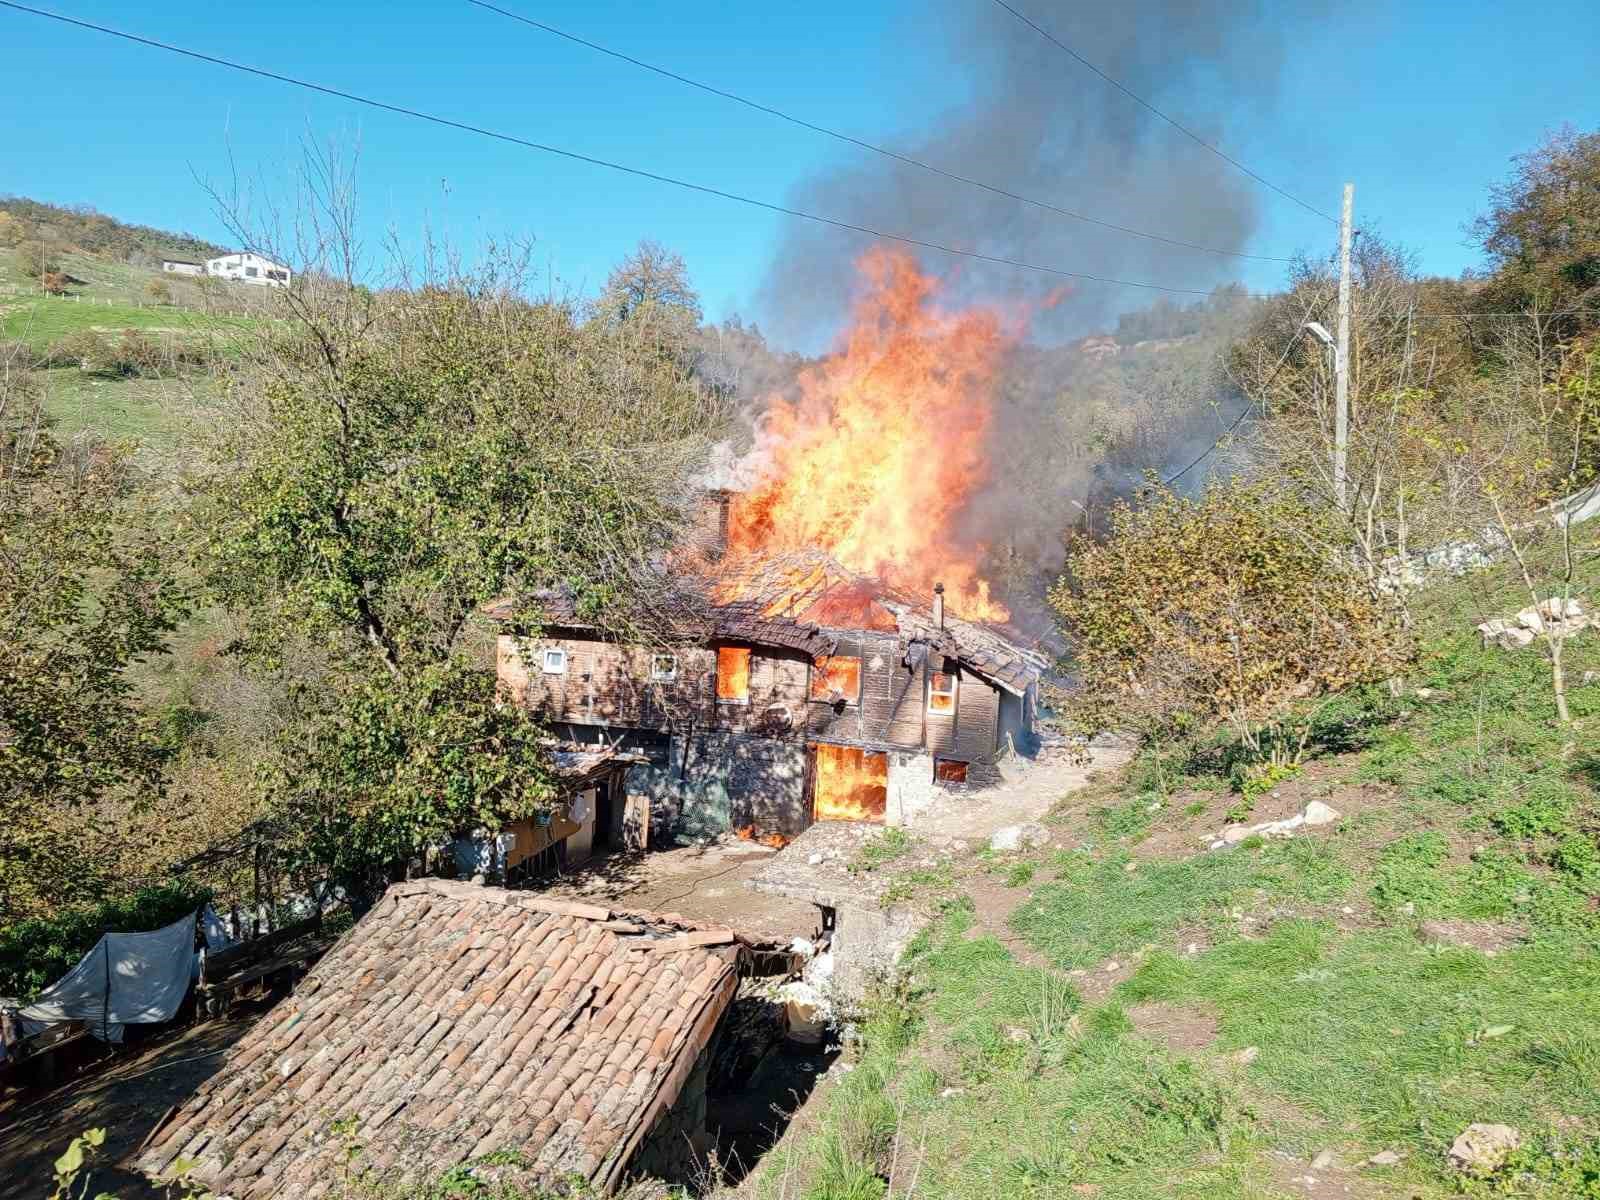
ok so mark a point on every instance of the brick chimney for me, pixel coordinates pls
(938, 605)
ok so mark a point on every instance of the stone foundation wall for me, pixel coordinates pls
(715, 782)
(676, 1146)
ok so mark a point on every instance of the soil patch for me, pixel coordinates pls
(702, 883)
(1487, 936)
(1297, 1177)
(1179, 832)
(1178, 1028)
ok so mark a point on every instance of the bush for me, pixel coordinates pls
(37, 952)
(158, 291)
(1221, 607)
(54, 282)
(81, 348)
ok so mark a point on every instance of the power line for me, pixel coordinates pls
(1136, 98)
(639, 172)
(1237, 421)
(865, 145)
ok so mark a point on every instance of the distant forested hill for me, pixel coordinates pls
(23, 221)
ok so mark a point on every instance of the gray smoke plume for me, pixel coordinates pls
(1041, 125)
(1073, 428)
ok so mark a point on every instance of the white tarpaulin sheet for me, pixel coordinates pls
(127, 979)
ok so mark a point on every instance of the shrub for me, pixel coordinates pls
(37, 952)
(81, 348)
(1221, 607)
(54, 282)
(158, 291)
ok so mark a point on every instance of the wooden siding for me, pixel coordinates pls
(608, 684)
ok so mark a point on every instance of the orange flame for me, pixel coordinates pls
(776, 840)
(876, 458)
(850, 784)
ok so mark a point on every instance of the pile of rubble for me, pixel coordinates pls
(1314, 814)
(1555, 616)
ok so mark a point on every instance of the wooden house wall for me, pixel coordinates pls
(608, 684)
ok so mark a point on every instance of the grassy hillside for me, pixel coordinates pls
(106, 299)
(1130, 1014)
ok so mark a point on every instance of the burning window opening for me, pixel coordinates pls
(949, 770)
(555, 662)
(942, 693)
(836, 678)
(850, 784)
(663, 667)
(733, 674)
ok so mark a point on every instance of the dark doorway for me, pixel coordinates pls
(607, 820)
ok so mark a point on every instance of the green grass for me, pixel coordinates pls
(1477, 806)
(889, 845)
(1029, 1097)
(1096, 910)
(1401, 1044)
(41, 320)
(162, 413)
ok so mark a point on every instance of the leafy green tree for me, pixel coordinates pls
(84, 595)
(650, 292)
(1542, 230)
(395, 462)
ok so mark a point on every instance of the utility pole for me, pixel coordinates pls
(1341, 360)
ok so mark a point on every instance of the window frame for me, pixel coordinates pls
(716, 685)
(813, 676)
(544, 660)
(659, 676)
(954, 693)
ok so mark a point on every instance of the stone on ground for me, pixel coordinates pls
(1010, 838)
(1482, 1148)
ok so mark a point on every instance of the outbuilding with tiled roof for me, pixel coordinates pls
(457, 1021)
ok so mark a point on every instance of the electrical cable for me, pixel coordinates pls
(861, 143)
(1244, 412)
(1183, 129)
(592, 160)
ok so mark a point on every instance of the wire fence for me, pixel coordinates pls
(129, 302)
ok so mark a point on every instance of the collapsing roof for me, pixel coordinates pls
(455, 1021)
(804, 601)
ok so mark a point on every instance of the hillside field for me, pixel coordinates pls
(1128, 1014)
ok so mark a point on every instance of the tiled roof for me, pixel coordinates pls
(803, 600)
(457, 1020)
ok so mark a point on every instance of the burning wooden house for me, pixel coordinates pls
(815, 671)
(794, 692)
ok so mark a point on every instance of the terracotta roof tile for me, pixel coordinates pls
(455, 1020)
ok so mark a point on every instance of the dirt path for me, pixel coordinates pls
(1032, 788)
(703, 883)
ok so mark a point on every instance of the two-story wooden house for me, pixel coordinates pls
(797, 692)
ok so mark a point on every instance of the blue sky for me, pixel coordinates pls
(1421, 104)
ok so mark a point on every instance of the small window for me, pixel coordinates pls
(942, 692)
(836, 677)
(663, 667)
(733, 674)
(555, 662)
(250, 271)
(948, 770)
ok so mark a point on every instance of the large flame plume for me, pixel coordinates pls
(875, 458)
